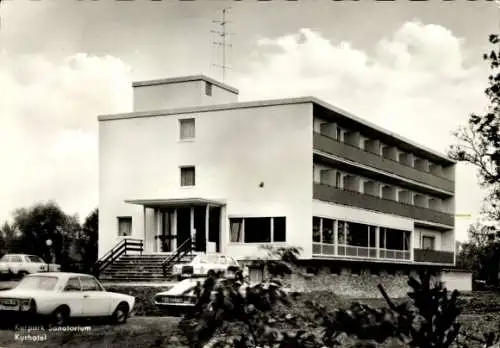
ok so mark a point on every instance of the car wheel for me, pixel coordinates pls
(21, 274)
(120, 315)
(60, 316)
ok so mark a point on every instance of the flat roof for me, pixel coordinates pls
(174, 202)
(189, 78)
(276, 102)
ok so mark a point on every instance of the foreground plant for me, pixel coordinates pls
(233, 313)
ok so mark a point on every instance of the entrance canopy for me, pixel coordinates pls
(175, 202)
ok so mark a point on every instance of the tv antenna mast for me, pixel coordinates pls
(222, 36)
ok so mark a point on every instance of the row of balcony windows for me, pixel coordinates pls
(355, 183)
(390, 152)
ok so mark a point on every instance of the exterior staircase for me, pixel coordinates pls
(140, 268)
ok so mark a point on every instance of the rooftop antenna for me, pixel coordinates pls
(222, 36)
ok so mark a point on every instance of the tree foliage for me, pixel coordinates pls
(481, 254)
(72, 243)
(478, 143)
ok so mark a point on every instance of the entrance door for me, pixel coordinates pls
(200, 222)
(214, 227)
(167, 236)
(183, 225)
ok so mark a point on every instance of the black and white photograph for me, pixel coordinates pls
(250, 173)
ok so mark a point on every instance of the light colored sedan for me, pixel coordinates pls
(22, 264)
(203, 264)
(59, 296)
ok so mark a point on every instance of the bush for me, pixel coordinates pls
(232, 313)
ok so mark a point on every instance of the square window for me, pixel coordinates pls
(187, 176)
(124, 226)
(187, 128)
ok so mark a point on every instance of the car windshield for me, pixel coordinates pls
(38, 283)
(34, 258)
(207, 259)
(4, 258)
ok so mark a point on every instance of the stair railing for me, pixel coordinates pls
(121, 248)
(184, 249)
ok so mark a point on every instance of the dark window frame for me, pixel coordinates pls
(184, 181)
(126, 219)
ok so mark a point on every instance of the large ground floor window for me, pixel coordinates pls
(257, 229)
(357, 239)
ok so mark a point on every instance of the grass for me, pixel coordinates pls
(138, 332)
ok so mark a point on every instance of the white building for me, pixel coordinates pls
(193, 162)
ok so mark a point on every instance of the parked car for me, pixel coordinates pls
(181, 297)
(202, 264)
(21, 264)
(59, 296)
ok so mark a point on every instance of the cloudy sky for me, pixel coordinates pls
(414, 68)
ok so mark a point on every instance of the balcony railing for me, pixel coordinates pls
(433, 256)
(343, 250)
(356, 154)
(372, 253)
(362, 200)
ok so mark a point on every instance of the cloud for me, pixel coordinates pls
(418, 83)
(48, 127)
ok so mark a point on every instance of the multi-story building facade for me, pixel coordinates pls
(193, 162)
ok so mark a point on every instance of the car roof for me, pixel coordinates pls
(62, 274)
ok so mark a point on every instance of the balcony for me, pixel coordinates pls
(359, 200)
(358, 252)
(371, 253)
(433, 256)
(331, 146)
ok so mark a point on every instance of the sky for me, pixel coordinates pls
(414, 68)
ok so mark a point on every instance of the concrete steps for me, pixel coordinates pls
(137, 268)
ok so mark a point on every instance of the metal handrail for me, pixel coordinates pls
(116, 252)
(182, 250)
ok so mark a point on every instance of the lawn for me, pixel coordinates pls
(138, 332)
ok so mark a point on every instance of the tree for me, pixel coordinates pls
(481, 254)
(90, 235)
(478, 143)
(41, 222)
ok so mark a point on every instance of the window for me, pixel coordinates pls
(236, 228)
(327, 231)
(373, 236)
(341, 232)
(187, 128)
(257, 229)
(16, 258)
(89, 284)
(124, 226)
(73, 284)
(279, 230)
(428, 242)
(208, 89)
(187, 176)
(35, 259)
(316, 229)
